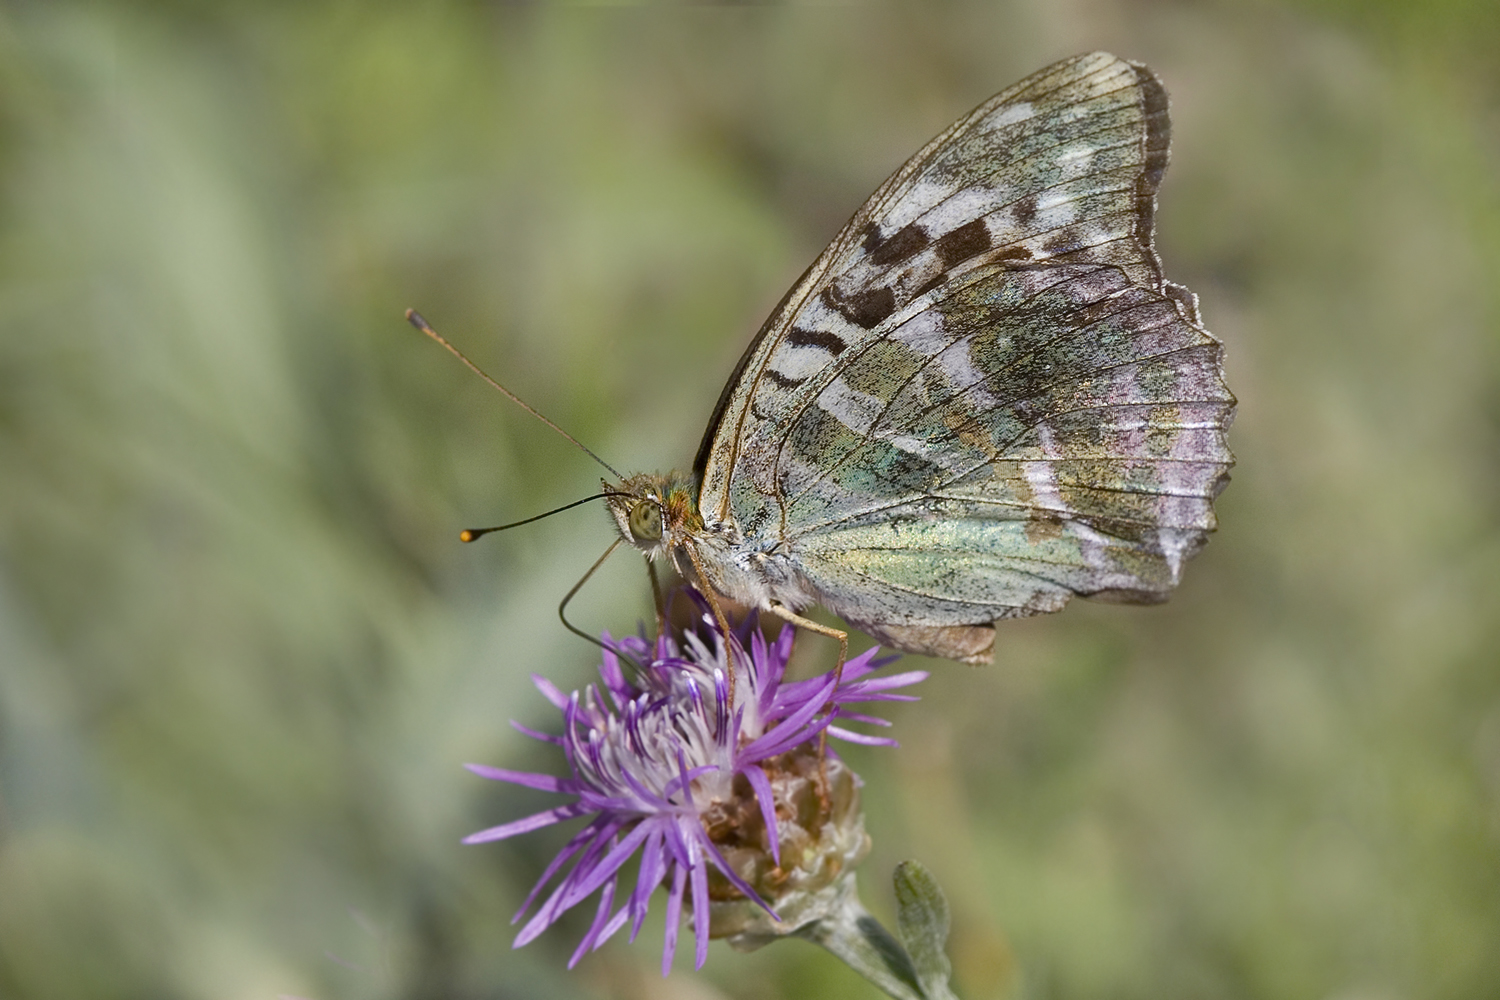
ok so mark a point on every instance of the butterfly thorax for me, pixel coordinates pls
(659, 515)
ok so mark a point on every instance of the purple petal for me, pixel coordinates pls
(591, 710)
(886, 683)
(722, 863)
(636, 648)
(783, 738)
(763, 794)
(550, 691)
(721, 709)
(861, 738)
(864, 663)
(759, 749)
(606, 900)
(653, 868)
(859, 666)
(620, 805)
(732, 734)
(781, 652)
(543, 919)
(647, 798)
(617, 856)
(533, 822)
(748, 627)
(632, 717)
(593, 748)
(609, 669)
(674, 918)
(762, 662)
(864, 696)
(686, 778)
(563, 898)
(790, 696)
(816, 697)
(571, 729)
(683, 777)
(615, 923)
(790, 693)
(544, 737)
(677, 848)
(555, 865)
(700, 909)
(542, 782)
(873, 720)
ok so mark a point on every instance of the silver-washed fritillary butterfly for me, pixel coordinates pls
(982, 399)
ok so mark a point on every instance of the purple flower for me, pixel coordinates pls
(703, 787)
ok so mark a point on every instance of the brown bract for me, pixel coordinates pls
(822, 840)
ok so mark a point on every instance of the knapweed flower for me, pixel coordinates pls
(732, 803)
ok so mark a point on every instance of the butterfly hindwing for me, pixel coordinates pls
(983, 399)
(1035, 393)
(1082, 463)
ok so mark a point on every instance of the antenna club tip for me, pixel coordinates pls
(467, 535)
(415, 319)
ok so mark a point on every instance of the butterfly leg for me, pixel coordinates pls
(707, 590)
(787, 614)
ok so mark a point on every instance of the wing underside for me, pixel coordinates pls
(983, 398)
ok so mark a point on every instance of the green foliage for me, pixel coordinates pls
(242, 654)
(922, 921)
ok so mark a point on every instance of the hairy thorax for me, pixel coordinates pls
(659, 515)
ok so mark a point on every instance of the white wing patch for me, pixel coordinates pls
(1010, 114)
(854, 409)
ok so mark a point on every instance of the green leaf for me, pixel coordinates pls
(922, 921)
(855, 937)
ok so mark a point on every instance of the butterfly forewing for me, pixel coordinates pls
(983, 398)
(1053, 167)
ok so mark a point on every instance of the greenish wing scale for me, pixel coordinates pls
(983, 398)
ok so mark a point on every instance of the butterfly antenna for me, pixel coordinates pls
(415, 319)
(473, 534)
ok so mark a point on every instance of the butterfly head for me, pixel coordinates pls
(655, 513)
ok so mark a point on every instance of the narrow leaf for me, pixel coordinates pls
(922, 921)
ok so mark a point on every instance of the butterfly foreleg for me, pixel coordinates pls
(787, 614)
(707, 590)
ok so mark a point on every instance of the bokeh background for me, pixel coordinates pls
(242, 654)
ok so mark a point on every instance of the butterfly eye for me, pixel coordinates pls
(645, 522)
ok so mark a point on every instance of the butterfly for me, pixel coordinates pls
(981, 400)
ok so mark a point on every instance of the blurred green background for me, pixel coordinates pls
(242, 653)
